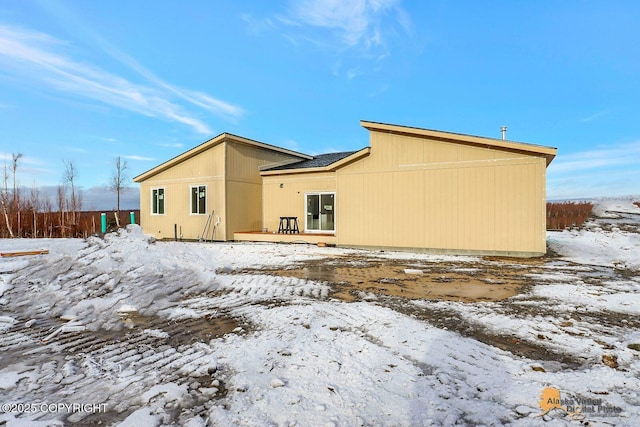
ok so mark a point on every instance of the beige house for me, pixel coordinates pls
(411, 188)
(209, 192)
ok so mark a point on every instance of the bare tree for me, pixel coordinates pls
(14, 168)
(47, 208)
(70, 176)
(4, 199)
(61, 198)
(15, 203)
(35, 204)
(78, 203)
(119, 178)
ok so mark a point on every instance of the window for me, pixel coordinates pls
(320, 212)
(199, 200)
(157, 201)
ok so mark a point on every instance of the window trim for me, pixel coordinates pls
(164, 203)
(206, 199)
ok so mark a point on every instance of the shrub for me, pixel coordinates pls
(27, 223)
(637, 204)
(567, 214)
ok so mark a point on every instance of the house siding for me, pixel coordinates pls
(207, 168)
(244, 185)
(411, 188)
(231, 171)
(415, 192)
(290, 199)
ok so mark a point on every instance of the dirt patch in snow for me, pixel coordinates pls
(148, 330)
(470, 282)
(184, 331)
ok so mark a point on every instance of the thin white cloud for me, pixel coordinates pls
(199, 99)
(40, 58)
(602, 157)
(366, 28)
(77, 150)
(256, 25)
(350, 19)
(176, 145)
(353, 73)
(360, 23)
(601, 184)
(594, 116)
(141, 158)
(291, 144)
(24, 159)
(603, 171)
(30, 169)
(209, 103)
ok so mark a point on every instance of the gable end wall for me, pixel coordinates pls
(413, 192)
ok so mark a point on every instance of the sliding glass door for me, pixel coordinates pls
(320, 213)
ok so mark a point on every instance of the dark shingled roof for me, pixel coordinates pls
(318, 161)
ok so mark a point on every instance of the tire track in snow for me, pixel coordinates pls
(100, 364)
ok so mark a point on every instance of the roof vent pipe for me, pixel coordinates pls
(503, 130)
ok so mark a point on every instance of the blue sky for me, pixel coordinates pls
(88, 81)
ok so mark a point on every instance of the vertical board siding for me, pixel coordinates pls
(409, 192)
(244, 185)
(351, 195)
(408, 209)
(244, 207)
(231, 172)
(207, 168)
(422, 193)
(289, 200)
(476, 208)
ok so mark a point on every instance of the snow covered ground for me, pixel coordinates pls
(135, 332)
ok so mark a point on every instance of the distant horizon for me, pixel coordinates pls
(93, 199)
(634, 197)
(103, 199)
(88, 82)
